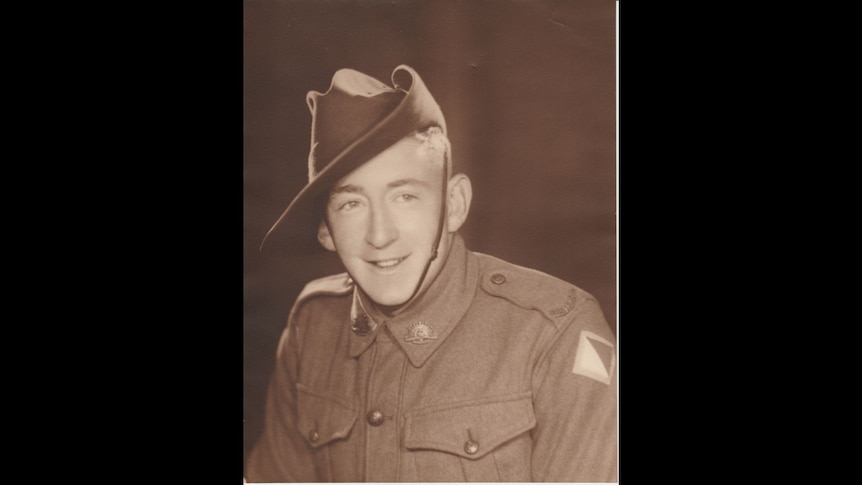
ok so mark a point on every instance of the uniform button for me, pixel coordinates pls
(471, 447)
(313, 436)
(375, 418)
(498, 279)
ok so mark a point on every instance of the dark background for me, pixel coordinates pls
(528, 91)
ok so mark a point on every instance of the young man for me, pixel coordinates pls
(424, 362)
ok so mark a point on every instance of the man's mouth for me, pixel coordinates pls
(388, 263)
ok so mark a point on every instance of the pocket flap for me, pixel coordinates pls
(322, 419)
(470, 429)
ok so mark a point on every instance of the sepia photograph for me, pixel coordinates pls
(430, 241)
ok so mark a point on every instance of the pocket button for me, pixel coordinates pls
(471, 447)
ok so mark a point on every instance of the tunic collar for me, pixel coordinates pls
(423, 327)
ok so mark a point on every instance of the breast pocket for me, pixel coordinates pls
(322, 419)
(478, 440)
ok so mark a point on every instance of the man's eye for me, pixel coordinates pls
(406, 197)
(349, 205)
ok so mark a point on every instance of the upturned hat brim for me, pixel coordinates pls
(296, 228)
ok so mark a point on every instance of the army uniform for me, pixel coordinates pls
(497, 373)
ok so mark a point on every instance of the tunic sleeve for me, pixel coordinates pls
(282, 454)
(574, 389)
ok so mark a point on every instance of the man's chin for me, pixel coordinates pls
(389, 302)
(388, 296)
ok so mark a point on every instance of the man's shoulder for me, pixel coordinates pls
(531, 289)
(334, 285)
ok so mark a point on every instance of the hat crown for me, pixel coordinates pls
(352, 106)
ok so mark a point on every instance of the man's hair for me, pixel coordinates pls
(434, 141)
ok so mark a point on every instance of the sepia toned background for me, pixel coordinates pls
(528, 91)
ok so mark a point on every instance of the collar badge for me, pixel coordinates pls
(361, 325)
(420, 333)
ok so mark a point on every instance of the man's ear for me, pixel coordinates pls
(460, 192)
(324, 236)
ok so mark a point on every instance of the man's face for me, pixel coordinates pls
(383, 219)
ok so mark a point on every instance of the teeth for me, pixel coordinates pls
(388, 263)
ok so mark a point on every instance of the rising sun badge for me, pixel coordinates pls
(420, 333)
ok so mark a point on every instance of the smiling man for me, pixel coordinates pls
(424, 361)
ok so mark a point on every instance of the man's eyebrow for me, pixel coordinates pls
(347, 189)
(408, 181)
(355, 189)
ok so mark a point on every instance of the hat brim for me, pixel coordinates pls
(296, 228)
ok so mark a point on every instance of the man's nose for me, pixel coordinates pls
(381, 229)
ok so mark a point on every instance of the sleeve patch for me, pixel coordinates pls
(595, 357)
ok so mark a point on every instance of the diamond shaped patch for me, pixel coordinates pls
(595, 357)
